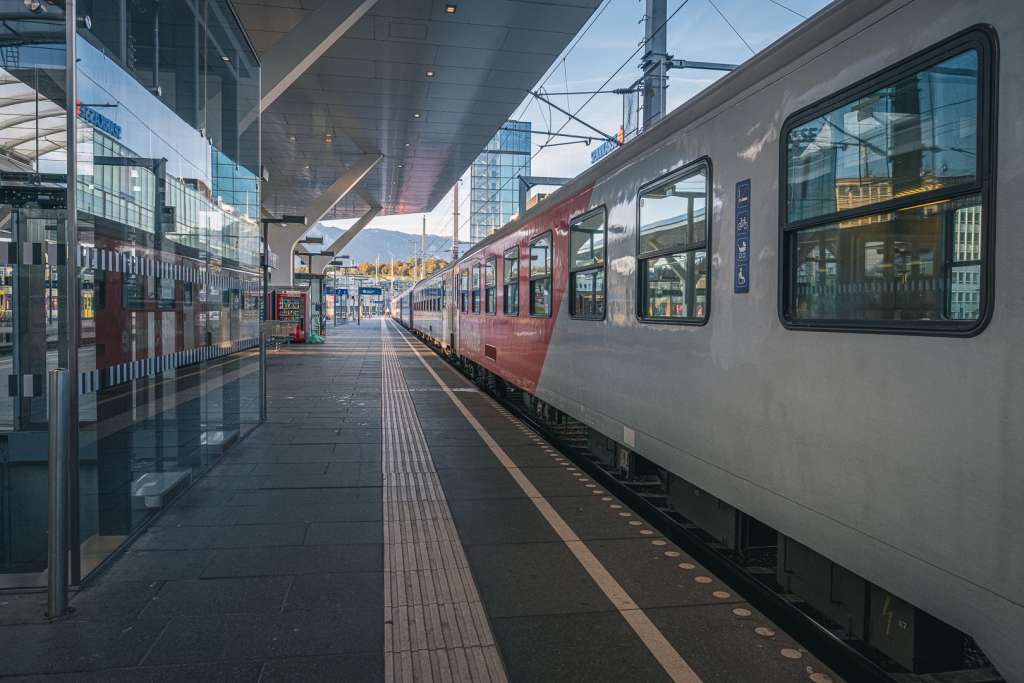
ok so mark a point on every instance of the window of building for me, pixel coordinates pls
(510, 274)
(475, 289)
(673, 248)
(490, 286)
(587, 237)
(540, 275)
(464, 291)
(884, 219)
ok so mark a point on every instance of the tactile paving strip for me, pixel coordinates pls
(435, 627)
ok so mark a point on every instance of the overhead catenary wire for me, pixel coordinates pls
(788, 9)
(726, 20)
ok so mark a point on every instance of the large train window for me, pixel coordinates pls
(673, 247)
(474, 292)
(540, 275)
(464, 291)
(510, 277)
(886, 187)
(490, 286)
(587, 238)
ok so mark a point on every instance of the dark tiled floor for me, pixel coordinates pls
(271, 567)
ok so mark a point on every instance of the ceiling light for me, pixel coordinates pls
(416, 115)
(430, 73)
(225, 58)
(408, 144)
(401, 166)
(449, 9)
(291, 138)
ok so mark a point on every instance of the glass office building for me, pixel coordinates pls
(494, 179)
(163, 260)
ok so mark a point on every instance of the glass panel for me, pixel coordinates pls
(540, 256)
(676, 286)
(511, 298)
(489, 268)
(588, 293)
(889, 266)
(586, 241)
(511, 265)
(672, 214)
(475, 291)
(540, 296)
(917, 135)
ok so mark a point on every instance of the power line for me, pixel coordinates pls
(788, 9)
(726, 20)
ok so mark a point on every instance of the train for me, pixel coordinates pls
(797, 297)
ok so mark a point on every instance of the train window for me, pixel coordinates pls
(490, 286)
(587, 265)
(475, 289)
(464, 291)
(540, 275)
(885, 223)
(673, 248)
(510, 274)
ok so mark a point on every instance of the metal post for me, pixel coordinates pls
(654, 62)
(69, 272)
(59, 408)
(263, 327)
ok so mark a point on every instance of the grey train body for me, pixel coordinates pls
(897, 456)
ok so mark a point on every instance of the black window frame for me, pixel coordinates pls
(475, 292)
(641, 267)
(506, 283)
(549, 276)
(574, 271)
(984, 40)
(491, 292)
(463, 290)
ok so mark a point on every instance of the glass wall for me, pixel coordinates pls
(494, 179)
(167, 257)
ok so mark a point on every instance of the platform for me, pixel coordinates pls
(392, 522)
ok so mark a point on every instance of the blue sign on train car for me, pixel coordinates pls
(741, 274)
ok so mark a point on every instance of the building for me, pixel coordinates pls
(494, 179)
(167, 269)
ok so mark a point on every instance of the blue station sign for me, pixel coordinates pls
(741, 274)
(370, 291)
(341, 291)
(602, 150)
(99, 121)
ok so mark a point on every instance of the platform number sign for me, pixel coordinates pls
(741, 276)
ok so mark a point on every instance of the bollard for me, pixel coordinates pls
(59, 408)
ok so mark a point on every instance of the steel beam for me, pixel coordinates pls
(318, 264)
(341, 187)
(293, 54)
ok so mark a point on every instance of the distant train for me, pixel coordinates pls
(801, 293)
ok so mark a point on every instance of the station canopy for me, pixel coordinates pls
(384, 103)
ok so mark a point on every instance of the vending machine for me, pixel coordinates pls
(291, 306)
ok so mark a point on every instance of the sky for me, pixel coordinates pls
(695, 32)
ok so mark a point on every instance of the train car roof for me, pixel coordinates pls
(803, 43)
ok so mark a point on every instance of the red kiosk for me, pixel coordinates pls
(291, 306)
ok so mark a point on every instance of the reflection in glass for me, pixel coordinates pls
(675, 286)
(510, 273)
(588, 293)
(540, 256)
(890, 266)
(672, 214)
(917, 135)
(476, 289)
(490, 286)
(540, 297)
(586, 241)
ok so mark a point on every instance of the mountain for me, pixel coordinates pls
(373, 242)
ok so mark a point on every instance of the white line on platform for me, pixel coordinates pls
(662, 650)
